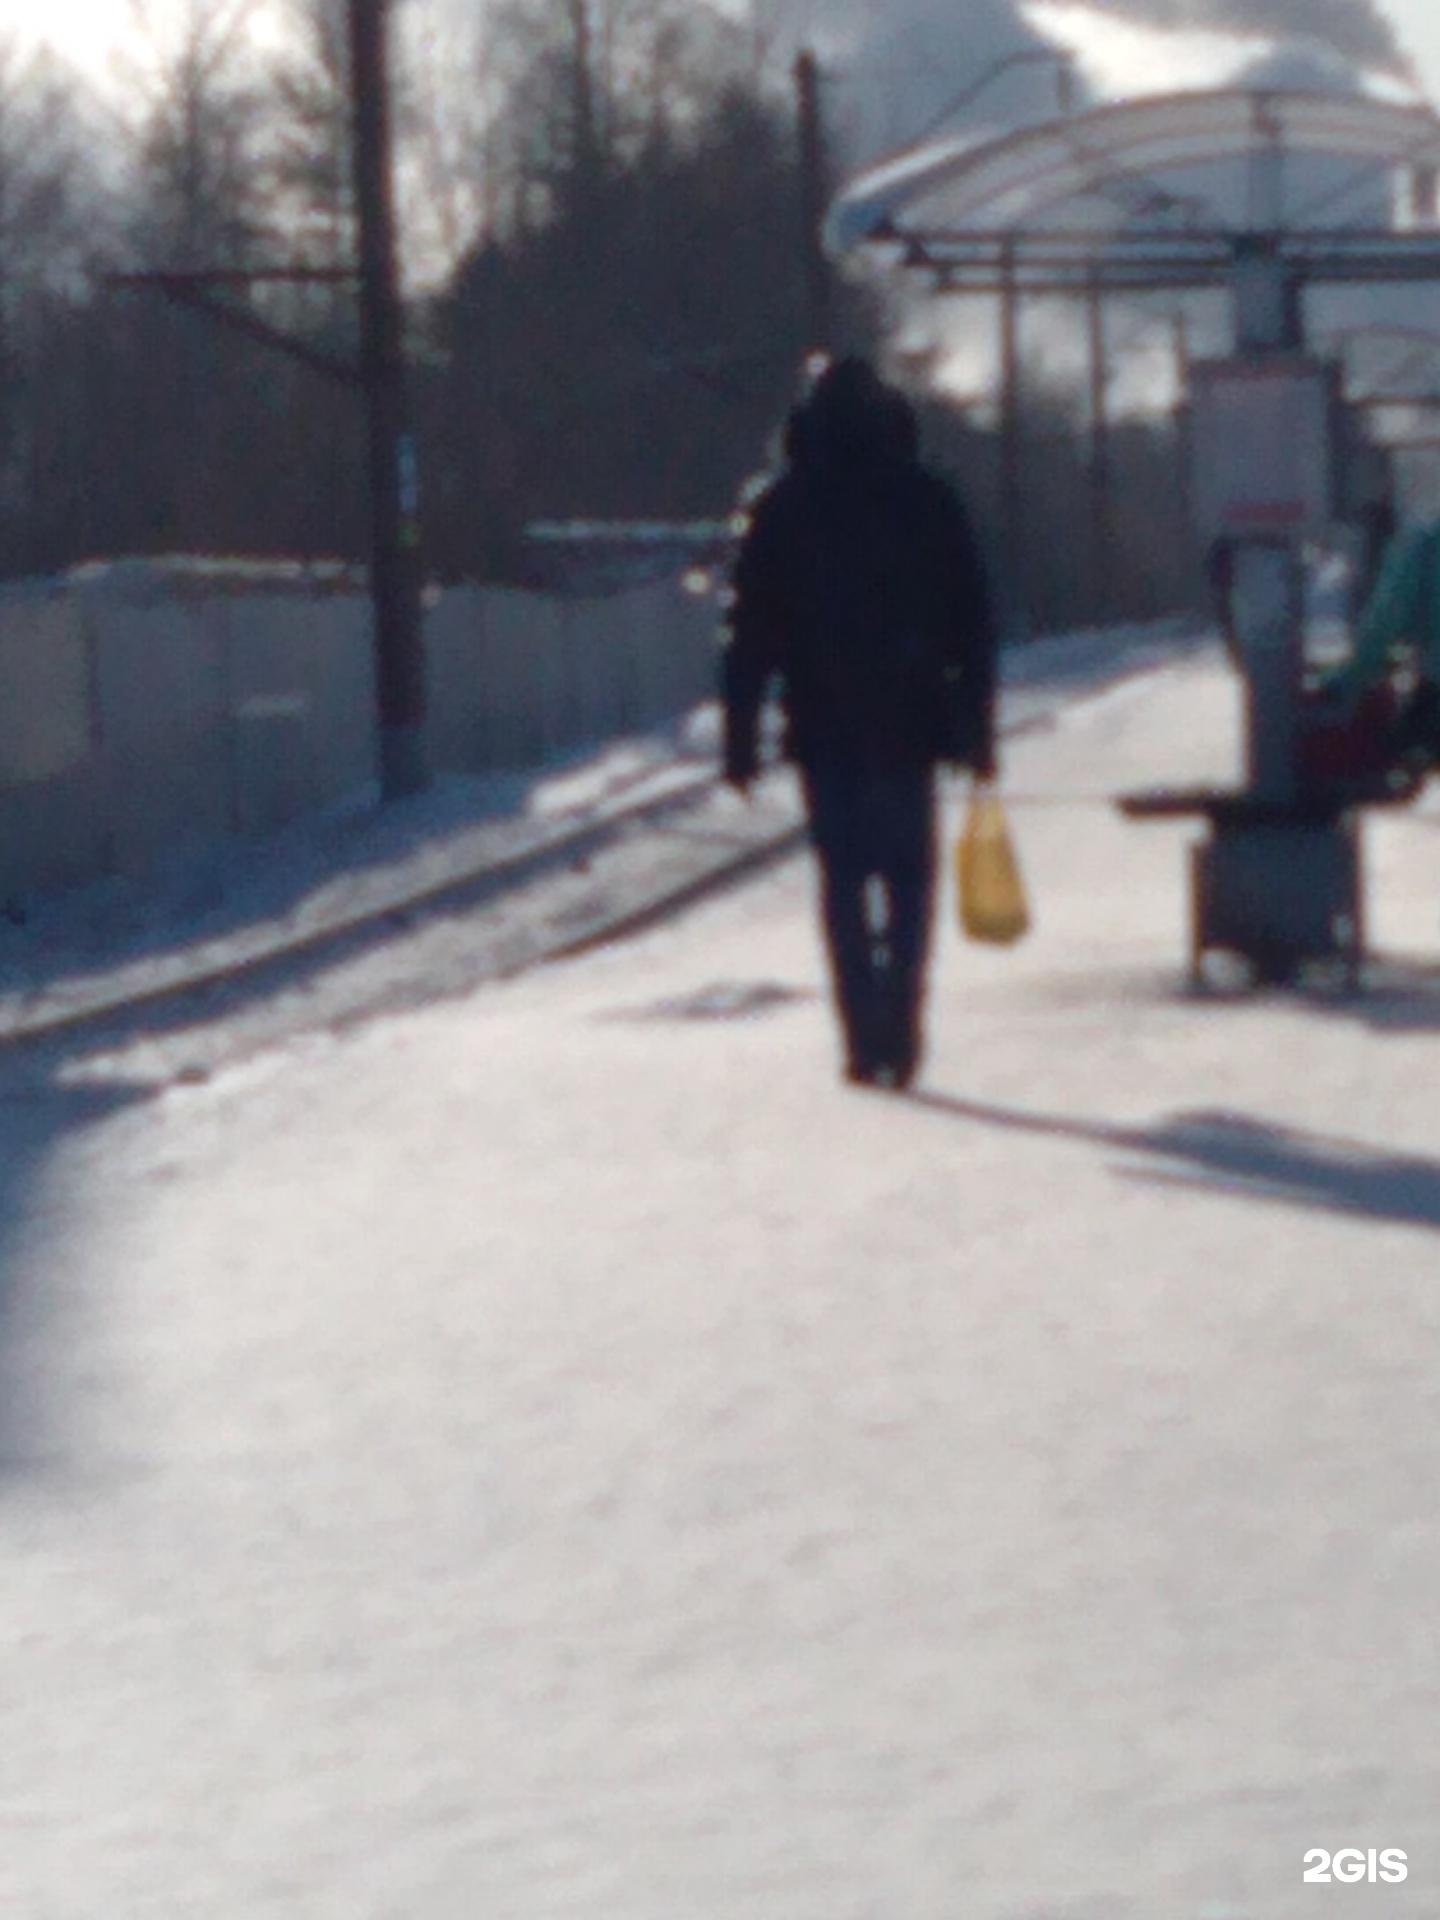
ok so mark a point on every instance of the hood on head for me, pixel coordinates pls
(850, 416)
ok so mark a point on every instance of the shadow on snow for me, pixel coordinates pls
(1236, 1155)
(39, 1313)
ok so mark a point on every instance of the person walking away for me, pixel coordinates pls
(858, 590)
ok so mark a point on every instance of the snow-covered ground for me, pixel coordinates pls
(212, 905)
(557, 1452)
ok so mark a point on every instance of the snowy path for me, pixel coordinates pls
(557, 1453)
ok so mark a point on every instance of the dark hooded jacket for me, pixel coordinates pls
(858, 584)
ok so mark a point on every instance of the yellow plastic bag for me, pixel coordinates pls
(990, 891)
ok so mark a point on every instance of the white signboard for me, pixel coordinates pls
(1263, 446)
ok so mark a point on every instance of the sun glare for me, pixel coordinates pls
(84, 33)
(102, 38)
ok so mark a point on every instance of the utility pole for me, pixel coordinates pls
(819, 316)
(394, 537)
(379, 376)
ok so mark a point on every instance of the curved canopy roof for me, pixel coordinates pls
(1120, 155)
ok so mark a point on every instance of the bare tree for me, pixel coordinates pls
(449, 95)
(54, 221)
(308, 163)
(49, 194)
(200, 178)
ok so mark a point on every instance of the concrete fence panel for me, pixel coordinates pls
(561, 663)
(45, 727)
(300, 696)
(270, 714)
(517, 678)
(460, 728)
(519, 668)
(54, 830)
(163, 723)
(641, 664)
(603, 665)
(670, 640)
(341, 649)
(151, 708)
(691, 627)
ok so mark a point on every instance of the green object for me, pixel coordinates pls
(1401, 618)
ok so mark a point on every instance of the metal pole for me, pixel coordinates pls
(1180, 347)
(1267, 594)
(1101, 530)
(1184, 444)
(811, 136)
(394, 557)
(1011, 499)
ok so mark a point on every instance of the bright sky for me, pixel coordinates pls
(1119, 57)
(97, 35)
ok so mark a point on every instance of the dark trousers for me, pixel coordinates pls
(874, 835)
